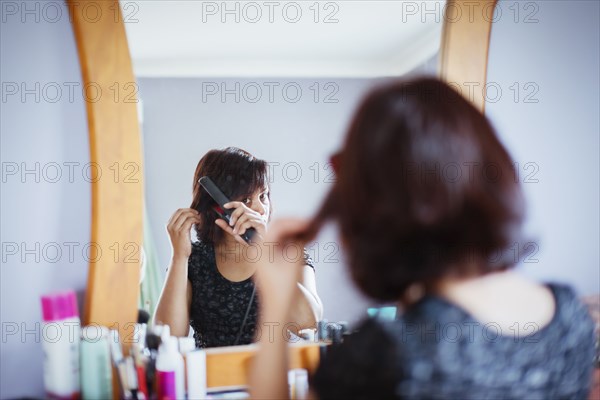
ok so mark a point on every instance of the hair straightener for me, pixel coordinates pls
(220, 198)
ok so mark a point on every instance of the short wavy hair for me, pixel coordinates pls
(237, 173)
(424, 188)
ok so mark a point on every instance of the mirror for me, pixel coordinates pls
(278, 79)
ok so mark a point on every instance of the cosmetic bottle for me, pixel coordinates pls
(96, 370)
(322, 330)
(334, 332)
(195, 368)
(298, 383)
(195, 362)
(169, 369)
(60, 342)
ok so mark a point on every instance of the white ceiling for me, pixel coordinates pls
(369, 38)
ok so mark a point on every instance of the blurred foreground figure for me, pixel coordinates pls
(430, 214)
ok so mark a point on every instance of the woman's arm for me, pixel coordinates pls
(308, 309)
(173, 308)
(268, 376)
(174, 302)
(277, 281)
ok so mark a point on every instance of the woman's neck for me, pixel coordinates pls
(228, 249)
(234, 261)
(504, 298)
(448, 285)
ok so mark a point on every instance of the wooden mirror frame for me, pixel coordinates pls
(115, 147)
(465, 45)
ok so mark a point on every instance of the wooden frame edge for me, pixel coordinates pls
(464, 47)
(110, 91)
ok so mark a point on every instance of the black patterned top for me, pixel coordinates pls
(218, 305)
(436, 350)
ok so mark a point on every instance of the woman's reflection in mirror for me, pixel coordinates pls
(209, 283)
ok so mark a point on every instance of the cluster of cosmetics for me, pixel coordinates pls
(331, 332)
(89, 362)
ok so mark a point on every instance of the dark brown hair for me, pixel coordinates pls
(423, 186)
(237, 173)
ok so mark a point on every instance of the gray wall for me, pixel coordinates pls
(45, 209)
(554, 126)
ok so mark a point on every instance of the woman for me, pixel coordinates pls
(429, 213)
(209, 282)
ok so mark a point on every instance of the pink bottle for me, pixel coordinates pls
(61, 332)
(166, 385)
(169, 368)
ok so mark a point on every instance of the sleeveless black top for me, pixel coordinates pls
(436, 350)
(218, 305)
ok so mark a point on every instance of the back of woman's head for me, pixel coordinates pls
(423, 188)
(237, 173)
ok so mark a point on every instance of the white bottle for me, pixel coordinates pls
(60, 341)
(195, 368)
(298, 383)
(195, 362)
(170, 362)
